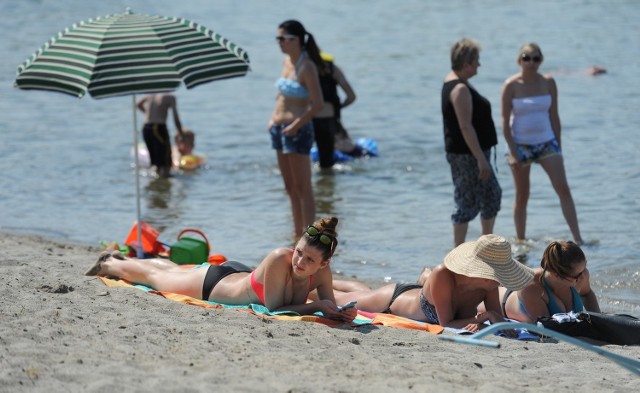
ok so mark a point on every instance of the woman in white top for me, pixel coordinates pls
(531, 127)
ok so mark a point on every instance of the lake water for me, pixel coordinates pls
(67, 171)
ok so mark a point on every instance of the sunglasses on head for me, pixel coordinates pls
(287, 37)
(325, 239)
(527, 58)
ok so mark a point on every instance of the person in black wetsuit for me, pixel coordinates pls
(326, 123)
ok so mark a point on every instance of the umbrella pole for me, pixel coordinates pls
(139, 249)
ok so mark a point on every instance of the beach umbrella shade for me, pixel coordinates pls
(129, 54)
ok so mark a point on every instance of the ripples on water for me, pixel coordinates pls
(67, 170)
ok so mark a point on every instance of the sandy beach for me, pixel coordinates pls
(62, 331)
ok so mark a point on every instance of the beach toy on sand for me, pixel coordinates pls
(188, 250)
(150, 243)
(217, 259)
(114, 246)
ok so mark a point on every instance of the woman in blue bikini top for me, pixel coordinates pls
(299, 96)
(298, 100)
(291, 88)
(560, 285)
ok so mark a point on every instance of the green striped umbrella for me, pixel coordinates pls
(128, 54)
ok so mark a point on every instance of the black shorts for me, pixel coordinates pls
(156, 137)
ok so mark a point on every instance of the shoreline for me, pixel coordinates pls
(62, 331)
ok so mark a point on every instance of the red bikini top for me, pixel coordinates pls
(258, 287)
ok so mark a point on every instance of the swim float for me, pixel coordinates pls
(369, 148)
(187, 163)
(191, 162)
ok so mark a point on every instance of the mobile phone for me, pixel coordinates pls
(347, 306)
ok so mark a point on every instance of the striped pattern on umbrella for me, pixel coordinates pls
(130, 53)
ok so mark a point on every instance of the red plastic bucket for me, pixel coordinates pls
(150, 245)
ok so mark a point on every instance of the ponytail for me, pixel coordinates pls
(560, 257)
(307, 41)
(314, 53)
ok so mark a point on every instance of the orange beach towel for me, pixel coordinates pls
(363, 318)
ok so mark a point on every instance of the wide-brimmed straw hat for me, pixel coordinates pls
(489, 257)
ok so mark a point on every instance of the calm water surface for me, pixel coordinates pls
(66, 164)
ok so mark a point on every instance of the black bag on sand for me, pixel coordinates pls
(620, 329)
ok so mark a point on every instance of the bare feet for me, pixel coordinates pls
(95, 269)
(424, 275)
(118, 255)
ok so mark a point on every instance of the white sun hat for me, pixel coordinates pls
(489, 257)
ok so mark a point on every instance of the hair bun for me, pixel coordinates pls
(329, 225)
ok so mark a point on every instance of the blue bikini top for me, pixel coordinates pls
(291, 87)
(553, 308)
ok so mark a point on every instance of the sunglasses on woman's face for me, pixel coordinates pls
(527, 58)
(285, 37)
(574, 278)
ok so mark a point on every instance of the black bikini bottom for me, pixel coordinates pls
(215, 273)
(399, 290)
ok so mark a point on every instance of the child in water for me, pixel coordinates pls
(183, 156)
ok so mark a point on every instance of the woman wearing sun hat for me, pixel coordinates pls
(470, 274)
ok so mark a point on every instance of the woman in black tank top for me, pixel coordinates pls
(469, 135)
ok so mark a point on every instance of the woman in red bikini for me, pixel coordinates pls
(281, 282)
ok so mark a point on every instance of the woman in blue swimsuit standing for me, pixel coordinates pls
(298, 100)
(560, 285)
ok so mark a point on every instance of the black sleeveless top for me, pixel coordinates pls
(480, 119)
(329, 88)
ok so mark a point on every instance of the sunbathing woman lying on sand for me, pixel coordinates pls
(470, 275)
(281, 282)
(560, 285)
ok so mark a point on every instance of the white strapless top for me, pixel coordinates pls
(530, 121)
